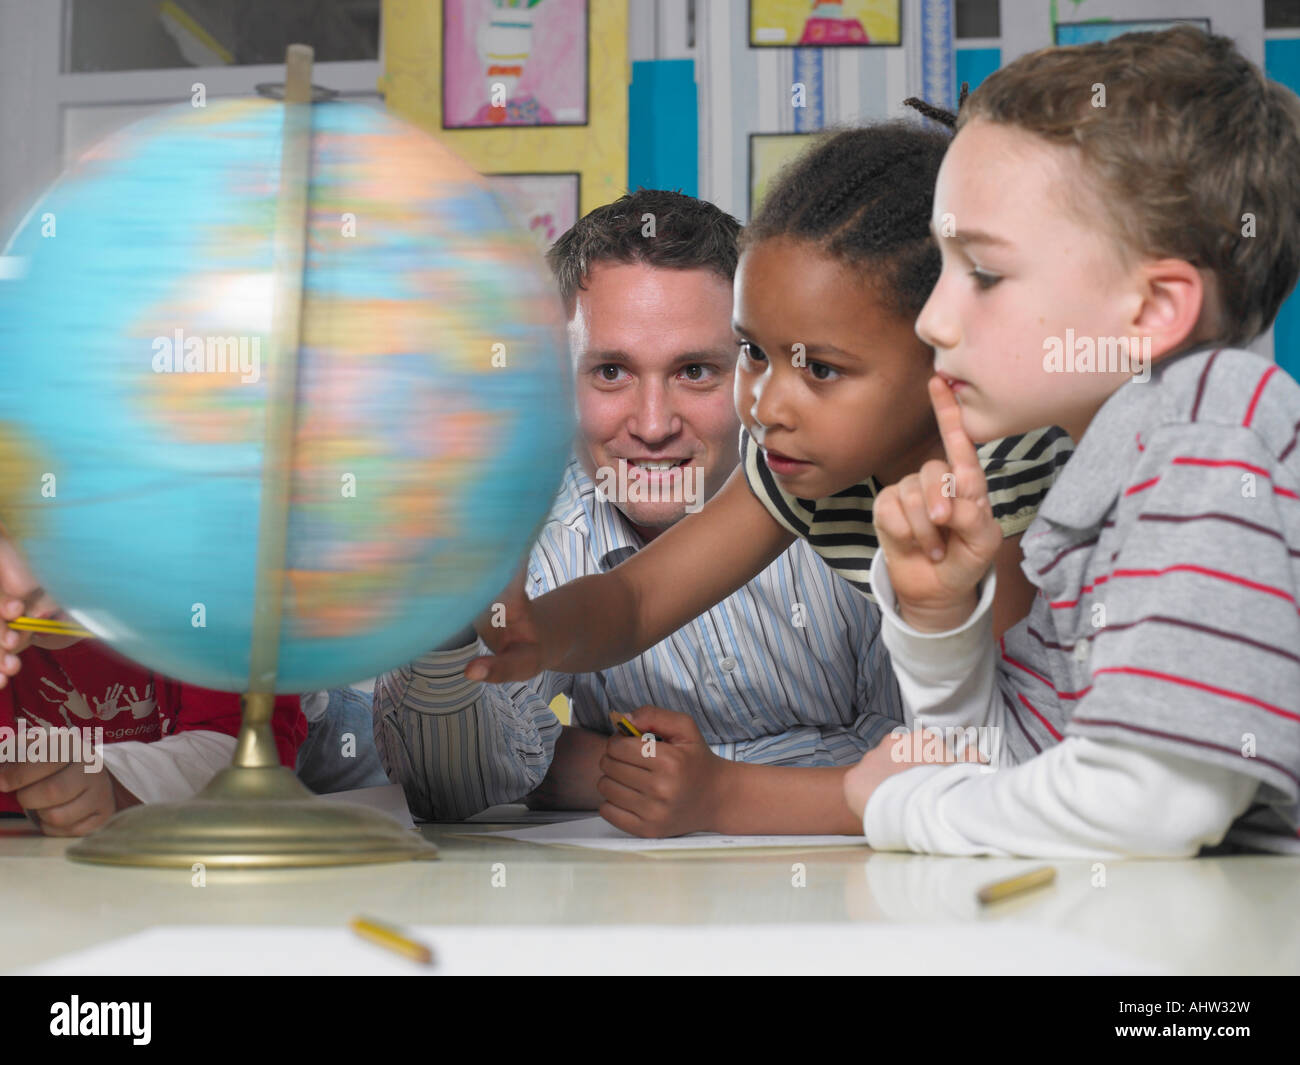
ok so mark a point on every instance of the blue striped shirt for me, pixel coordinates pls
(789, 670)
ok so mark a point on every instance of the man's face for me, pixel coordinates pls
(1019, 270)
(654, 361)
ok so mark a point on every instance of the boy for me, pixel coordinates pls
(165, 740)
(1152, 696)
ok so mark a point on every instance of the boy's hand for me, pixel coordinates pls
(666, 786)
(937, 528)
(899, 751)
(66, 798)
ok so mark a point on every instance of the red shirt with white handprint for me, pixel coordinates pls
(86, 685)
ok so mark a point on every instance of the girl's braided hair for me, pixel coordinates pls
(865, 196)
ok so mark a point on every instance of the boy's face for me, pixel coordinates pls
(1018, 270)
(857, 406)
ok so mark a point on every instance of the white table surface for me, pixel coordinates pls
(1233, 914)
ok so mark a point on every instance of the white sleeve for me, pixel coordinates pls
(948, 679)
(1083, 798)
(172, 768)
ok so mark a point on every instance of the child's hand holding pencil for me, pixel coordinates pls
(20, 597)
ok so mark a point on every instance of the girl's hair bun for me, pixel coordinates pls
(939, 114)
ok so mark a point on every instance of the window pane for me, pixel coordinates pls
(1281, 14)
(977, 18)
(149, 35)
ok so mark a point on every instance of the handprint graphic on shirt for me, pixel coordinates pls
(105, 709)
(72, 701)
(141, 705)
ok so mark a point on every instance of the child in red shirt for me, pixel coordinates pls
(161, 740)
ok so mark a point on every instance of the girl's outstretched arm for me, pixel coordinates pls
(597, 622)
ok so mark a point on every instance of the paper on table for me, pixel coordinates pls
(386, 798)
(993, 948)
(519, 814)
(599, 834)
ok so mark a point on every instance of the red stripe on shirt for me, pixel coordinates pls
(1134, 489)
(1227, 693)
(1020, 665)
(1188, 460)
(1204, 571)
(1254, 400)
(1046, 724)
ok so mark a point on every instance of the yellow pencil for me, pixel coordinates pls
(626, 727)
(387, 936)
(48, 627)
(1015, 885)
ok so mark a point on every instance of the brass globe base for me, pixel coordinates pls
(251, 818)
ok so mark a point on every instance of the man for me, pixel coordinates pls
(758, 706)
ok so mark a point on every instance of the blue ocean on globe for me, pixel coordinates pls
(434, 393)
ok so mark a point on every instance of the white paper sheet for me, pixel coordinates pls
(993, 948)
(519, 814)
(387, 798)
(599, 834)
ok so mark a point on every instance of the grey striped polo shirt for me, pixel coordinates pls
(1167, 558)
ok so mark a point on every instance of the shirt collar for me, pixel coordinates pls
(613, 540)
(1104, 459)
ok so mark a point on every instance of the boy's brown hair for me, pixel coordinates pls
(1191, 137)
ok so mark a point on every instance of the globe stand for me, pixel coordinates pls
(253, 815)
(257, 814)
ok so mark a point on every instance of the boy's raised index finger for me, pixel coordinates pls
(957, 445)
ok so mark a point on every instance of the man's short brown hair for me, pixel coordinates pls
(1191, 149)
(669, 230)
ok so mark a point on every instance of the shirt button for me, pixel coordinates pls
(728, 664)
(1081, 651)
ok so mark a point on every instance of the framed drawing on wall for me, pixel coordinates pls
(1086, 32)
(514, 63)
(825, 23)
(544, 205)
(768, 153)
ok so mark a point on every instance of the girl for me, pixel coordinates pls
(831, 390)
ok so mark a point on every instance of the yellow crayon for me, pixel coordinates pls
(389, 937)
(1016, 885)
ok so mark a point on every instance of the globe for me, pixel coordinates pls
(434, 394)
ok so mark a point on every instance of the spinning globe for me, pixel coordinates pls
(433, 393)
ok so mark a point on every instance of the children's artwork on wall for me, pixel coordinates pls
(1068, 33)
(413, 85)
(544, 205)
(824, 23)
(768, 153)
(514, 63)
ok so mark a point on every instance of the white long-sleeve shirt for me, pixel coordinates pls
(172, 768)
(1149, 703)
(1081, 798)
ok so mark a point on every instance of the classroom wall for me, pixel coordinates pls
(1282, 61)
(701, 75)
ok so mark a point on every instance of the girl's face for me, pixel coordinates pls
(830, 382)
